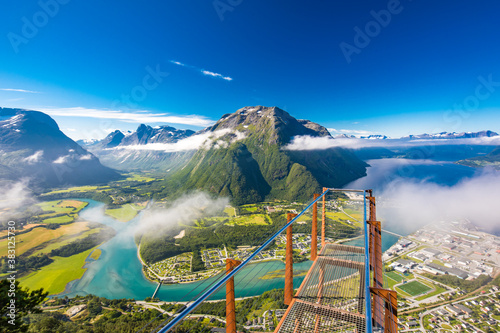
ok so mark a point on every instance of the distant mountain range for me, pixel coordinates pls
(33, 147)
(143, 135)
(110, 153)
(243, 155)
(425, 136)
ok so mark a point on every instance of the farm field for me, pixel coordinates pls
(38, 236)
(126, 212)
(255, 219)
(133, 177)
(60, 211)
(55, 276)
(77, 189)
(65, 239)
(230, 211)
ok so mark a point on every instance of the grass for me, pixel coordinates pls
(133, 177)
(58, 207)
(249, 208)
(125, 213)
(60, 219)
(394, 276)
(414, 288)
(55, 276)
(62, 206)
(77, 189)
(255, 219)
(65, 239)
(342, 218)
(446, 327)
(438, 290)
(230, 211)
(38, 236)
(96, 254)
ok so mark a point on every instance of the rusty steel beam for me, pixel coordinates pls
(376, 265)
(289, 261)
(230, 300)
(323, 218)
(391, 308)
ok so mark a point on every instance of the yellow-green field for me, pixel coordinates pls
(133, 177)
(343, 218)
(126, 212)
(78, 189)
(66, 239)
(38, 236)
(96, 254)
(60, 219)
(62, 206)
(230, 211)
(256, 219)
(5, 233)
(57, 207)
(55, 276)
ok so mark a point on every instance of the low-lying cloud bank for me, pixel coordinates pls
(408, 205)
(305, 142)
(204, 140)
(183, 210)
(12, 197)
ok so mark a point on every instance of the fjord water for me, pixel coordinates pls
(118, 272)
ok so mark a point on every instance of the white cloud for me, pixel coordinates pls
(14, 195)
(35, 158)
(203, 140)
(417, 203)
(183, 210)
(203, 71)
(20, 90)
(85, 157)
(305, 142)
(139, 117)
(227, 78)
(349, 132)
(177, 63)
(61, 159)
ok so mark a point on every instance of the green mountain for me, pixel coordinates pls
(247, 160)
(491, 159)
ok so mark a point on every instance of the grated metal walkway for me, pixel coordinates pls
(332, 295)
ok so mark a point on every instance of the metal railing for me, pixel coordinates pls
(226, 278)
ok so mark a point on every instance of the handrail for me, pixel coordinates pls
(219, 284)
(368, 304)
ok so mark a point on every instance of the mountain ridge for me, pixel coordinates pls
(255, 141)
(34, 147)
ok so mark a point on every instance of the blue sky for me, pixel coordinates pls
(416, 66)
